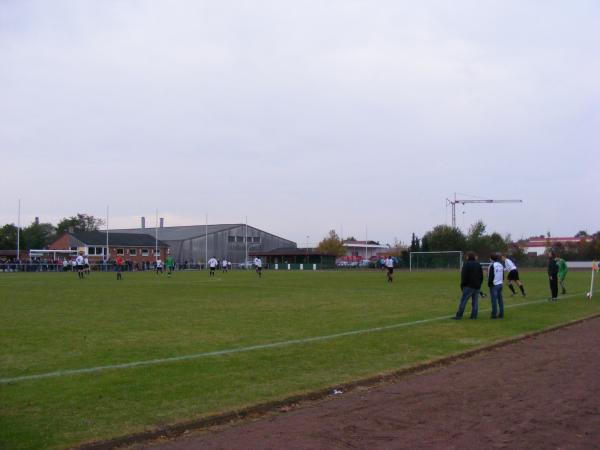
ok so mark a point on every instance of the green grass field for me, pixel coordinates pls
(55, 322)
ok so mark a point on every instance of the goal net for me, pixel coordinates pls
(436, 260)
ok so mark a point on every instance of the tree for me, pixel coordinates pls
(445, 238)
(332, 245)
(425, 244)
(581, 233)
(8, 237)
(38, 235)
(483, 244)
(81, 222)
(415, 244)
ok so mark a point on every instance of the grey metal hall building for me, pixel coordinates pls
(194, 243)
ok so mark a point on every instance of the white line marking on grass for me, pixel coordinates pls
(151, 362)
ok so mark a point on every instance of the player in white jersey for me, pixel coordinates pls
(258, 266)
(495, 282)
(86, 265)
(159, 266)
(80, 265)
(224, 265)
(513, 275)
(389, 264)
(212, 265)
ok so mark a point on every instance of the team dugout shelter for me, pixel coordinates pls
(295, 258)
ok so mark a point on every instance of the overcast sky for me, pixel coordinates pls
(304, 116)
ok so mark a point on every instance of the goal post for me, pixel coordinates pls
(436, 260)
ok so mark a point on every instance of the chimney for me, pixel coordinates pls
(37, 220)
(162, 222)
(143, 222)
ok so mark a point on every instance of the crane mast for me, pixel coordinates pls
(458, 201)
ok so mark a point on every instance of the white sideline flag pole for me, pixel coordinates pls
(594, 270)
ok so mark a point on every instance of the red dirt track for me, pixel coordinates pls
(542, 392)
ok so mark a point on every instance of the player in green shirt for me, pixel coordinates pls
(562, 273)
(170, 265)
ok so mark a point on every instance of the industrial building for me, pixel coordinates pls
(195, 243)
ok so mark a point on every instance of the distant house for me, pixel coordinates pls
(364, 249)
(540, 245)
(136, 248)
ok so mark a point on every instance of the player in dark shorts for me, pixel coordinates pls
(389, 265)
(258, 266)
(79, 262)
(513, 276)
(119, 264)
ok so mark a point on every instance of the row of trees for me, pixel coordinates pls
(39, 235)
(478, 240)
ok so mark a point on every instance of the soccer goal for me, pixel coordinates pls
(436, 260)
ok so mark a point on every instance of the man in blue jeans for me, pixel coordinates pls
(471, 277)
(495, 281)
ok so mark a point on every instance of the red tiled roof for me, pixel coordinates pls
(544, 242)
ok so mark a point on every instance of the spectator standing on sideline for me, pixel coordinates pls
(562, 273)
(513, 275)
(495, 281)
(471, 277)
(553, 276)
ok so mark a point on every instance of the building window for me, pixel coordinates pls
(73, 249)
(230, 238)
(256, 239)
(145, 252)
(157, 252)
(239, 239)
(120, 251)
(99, 251)
(132, 252)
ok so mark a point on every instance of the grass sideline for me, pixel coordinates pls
(53, 322)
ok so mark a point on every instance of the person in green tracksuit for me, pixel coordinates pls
(562, 273)
(170, 265)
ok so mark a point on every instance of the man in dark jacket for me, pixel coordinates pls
(553, 276)
(471, 278)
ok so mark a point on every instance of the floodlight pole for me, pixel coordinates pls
(156, 237)
(206, 243)
(19, 232)
(107, 248)
(246, 242)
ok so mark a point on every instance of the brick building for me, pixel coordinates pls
(137, 248)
